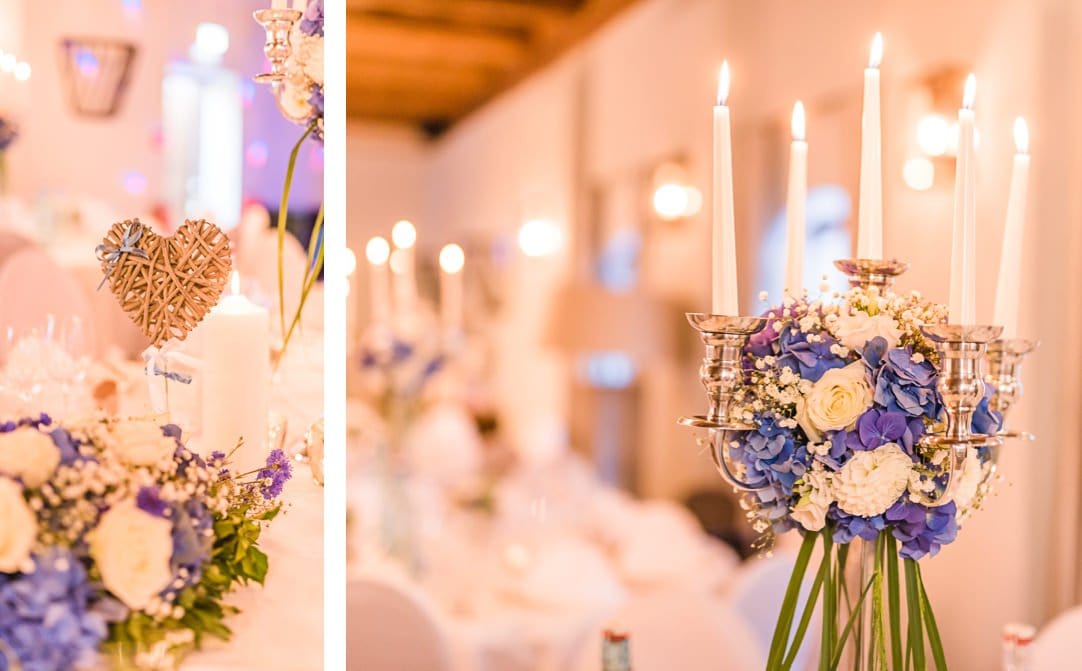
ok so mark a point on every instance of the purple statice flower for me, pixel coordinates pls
(273, 478)
(764, 343)
(877, 427)
(9, 132)
(985, 419)
(922, 530)
(52, 619)
(807, 359)
(67, 444)
(149, 500)
(902, 384)
(312, 21)
(172, 431)
(193, 540)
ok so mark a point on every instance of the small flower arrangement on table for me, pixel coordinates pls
(841, 393)
(119, 545)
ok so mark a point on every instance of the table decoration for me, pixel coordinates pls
(9, 132)
(294, 48)
(866, 415)
(119, 545)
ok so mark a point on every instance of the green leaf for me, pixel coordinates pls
(805, 618)
(894, 602)
(934, 641)
(830, 606)
(912, 600)
(849, 624)
(788, 604)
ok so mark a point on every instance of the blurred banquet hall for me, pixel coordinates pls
(536, 190)
(147, 428)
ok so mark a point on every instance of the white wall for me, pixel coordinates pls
(650, 81)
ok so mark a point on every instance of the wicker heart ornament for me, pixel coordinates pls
(166, 285)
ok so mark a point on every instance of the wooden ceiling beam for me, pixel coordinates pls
(393, 39)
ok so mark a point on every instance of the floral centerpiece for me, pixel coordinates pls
(9, 132)
(841, 393)
(119, 545)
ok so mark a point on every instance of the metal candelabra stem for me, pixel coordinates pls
(722, 375)
(961, 386)
(279, 24)
(868, 273)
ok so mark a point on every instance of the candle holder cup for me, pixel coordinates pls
(961, 386)
(1005, 358)
(867, 273)
(722, 375)
(278, 23)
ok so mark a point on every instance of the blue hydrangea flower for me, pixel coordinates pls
(9, 133)
(312, 21)
(51, 618)
(149, 500)
(807, 359)
(847, 527)
(876, 427)
(901, 384)
(985, 419)
(922, 530)
(771, 454)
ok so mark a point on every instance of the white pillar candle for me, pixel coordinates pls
(378, 252)
(452, 260)
(795, 206)
(236, 379)
(870, 223)
(725, 294)
(963, 304)
(403, 265)
(1010, 264)
(300, 5)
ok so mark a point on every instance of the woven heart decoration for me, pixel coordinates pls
(166, 285)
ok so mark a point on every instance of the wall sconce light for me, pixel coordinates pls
(936, 129)
(674, 197)
(540, 237)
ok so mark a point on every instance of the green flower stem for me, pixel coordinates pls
(788, 605)
(894, 603)
(934, 641)
(283, 215)
(837, 660)
(805, 618)
(912, 601)
(830, 605)
(311, 274)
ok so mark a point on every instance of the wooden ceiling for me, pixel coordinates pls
(429, 63)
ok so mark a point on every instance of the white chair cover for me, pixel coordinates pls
(757, 592)
(390, 627)
(1056, 647)
(679, 629)
(32, 287)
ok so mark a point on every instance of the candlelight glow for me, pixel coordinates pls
(452, 258)
(918, 173)
(934, 135)
(378, 250)
(723, 83)
(970, 92)
(876, 56)
(404, 234)
(798, 121)
(349, 261)
(1021, 135)
(540, 237)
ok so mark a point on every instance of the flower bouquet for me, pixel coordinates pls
(9, 132)
(119, 545)
(840, 393)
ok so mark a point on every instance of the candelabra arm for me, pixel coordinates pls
(868, 273)
(1005, 358)
(278, 23)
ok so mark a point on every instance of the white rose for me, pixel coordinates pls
(311, 57)
(835, 400)
(18, 527)
(855, 330)
(972, 475)
(141, 442)
(132, 550)
(811, 510)
(294, 99)
(29, 455)
(870, 482)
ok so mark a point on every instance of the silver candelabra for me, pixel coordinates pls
(278, 23)
(963, 350)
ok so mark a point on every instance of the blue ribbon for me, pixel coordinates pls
(175, 377)
(111, 255)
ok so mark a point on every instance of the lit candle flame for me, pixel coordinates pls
(798, 121)
(234, 283)
(876, 55)
(970, 92)
(1021, 136)
(398, 262)
(377, 251)
(723, 84)
(404, 234)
